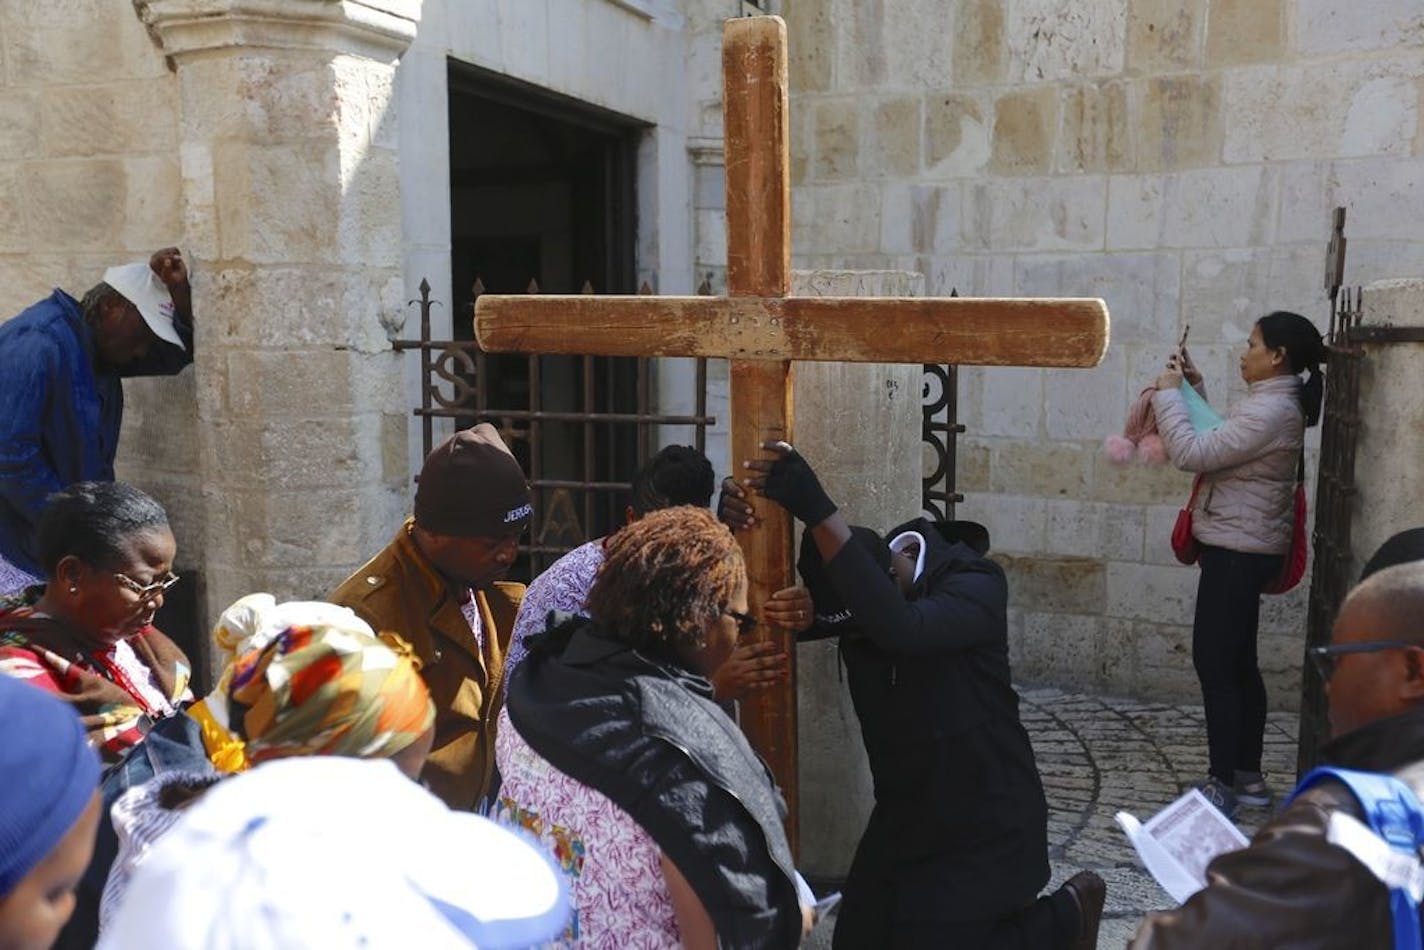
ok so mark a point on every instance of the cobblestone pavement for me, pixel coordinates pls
(1100, 755)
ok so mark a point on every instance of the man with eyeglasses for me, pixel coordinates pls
(1295, 886)
(62, 363)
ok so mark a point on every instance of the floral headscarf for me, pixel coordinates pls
(310, 678)
(322, 690)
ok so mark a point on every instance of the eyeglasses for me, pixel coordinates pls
(746, 623)
(148, 592)
(1326, 658)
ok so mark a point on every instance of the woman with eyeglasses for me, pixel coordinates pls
(87, 635)
(613, 753)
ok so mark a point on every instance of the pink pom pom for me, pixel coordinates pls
(1119, 450)
(1151, 450)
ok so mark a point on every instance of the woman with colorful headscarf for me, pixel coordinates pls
(87, 634)
(311, 680)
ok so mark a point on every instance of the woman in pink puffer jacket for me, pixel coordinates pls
(1243, 522)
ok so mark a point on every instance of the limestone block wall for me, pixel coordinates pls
(291, 202)
(848, 406)
(263, 144)
(90, 177)
(1178, 159)
(1390, 494)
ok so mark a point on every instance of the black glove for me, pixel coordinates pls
(793, 486)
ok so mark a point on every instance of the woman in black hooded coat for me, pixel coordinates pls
(956, 848)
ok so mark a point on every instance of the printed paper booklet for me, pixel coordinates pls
(1178, 842)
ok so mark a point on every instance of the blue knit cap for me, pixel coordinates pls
(48, 774)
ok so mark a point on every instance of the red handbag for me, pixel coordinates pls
(1293, 567)
(1183, 544)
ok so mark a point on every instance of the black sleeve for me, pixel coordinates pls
(965, 608)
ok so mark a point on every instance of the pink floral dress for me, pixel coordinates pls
(620, 897)
(563, 587)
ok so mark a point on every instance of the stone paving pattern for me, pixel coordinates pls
(1100, 755)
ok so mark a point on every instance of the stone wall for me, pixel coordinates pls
(1390, 442)
(306, 176)
(90, 177)
(261, 140)
(849, 405)
(1178, 159)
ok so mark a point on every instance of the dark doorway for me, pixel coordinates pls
(542, 200)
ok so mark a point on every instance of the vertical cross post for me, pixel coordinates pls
(757, 156)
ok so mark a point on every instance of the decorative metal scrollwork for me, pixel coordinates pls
(455, 365)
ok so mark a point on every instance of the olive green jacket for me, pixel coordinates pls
(400, 590)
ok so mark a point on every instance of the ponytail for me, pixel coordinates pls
(1311, 396)
(1305, 351)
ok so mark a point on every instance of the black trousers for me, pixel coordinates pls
(880, 909)
(867, 922)
(1224, 631)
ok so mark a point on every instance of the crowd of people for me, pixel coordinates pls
(435, 756)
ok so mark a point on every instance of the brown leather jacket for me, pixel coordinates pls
(1292, 888)
(399, 590)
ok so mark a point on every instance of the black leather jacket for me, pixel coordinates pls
(1292, 888)
(649, 736)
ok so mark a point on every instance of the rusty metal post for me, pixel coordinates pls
(1330, 574)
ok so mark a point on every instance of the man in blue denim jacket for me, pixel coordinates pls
(61, 395)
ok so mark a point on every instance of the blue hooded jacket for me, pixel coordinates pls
(59, 413)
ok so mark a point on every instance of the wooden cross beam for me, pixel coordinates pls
(762, 330)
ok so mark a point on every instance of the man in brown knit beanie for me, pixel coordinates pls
(438, 585)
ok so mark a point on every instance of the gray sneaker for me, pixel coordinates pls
(1251, 789)
(1219, 794)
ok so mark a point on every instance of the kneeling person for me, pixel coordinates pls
(956, 848)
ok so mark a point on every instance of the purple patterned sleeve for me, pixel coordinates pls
(564, 586)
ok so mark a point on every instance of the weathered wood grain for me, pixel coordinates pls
(757, 154)
(761, 410)
(1070, 332)
(755, 121)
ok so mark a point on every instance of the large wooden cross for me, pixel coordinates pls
(761, 331)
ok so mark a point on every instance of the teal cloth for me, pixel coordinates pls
(1204, 418)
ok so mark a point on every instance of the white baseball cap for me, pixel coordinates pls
(141, 286)
(334, 853)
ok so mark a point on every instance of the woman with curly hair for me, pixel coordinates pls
(614, 753)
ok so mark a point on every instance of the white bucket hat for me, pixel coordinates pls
(142, 288)
(331, 853)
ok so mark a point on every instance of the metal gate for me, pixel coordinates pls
(572, 504)
(1330, 574)
(940, 433)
